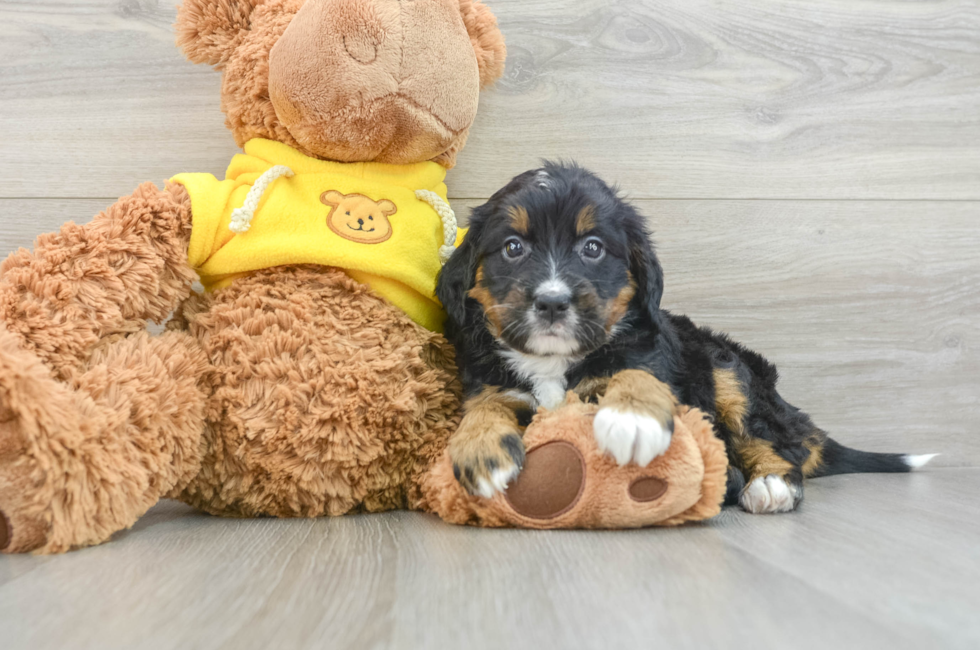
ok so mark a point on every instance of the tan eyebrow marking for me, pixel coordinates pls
(585, 220)
(519, 219)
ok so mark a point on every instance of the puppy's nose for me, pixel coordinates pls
(551, 306)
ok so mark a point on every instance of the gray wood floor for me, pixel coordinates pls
(868, 562)
(811, 169)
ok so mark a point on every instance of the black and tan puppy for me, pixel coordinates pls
(557, 287)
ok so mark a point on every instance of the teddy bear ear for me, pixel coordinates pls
(209, 30)
(488, 41)
(387, 207)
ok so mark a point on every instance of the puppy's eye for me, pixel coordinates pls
(592, 249)
(513, 249)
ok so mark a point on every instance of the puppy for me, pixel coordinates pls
(557, 287)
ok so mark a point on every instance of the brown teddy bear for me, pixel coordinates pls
(310, 379)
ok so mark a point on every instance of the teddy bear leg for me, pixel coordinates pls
(105, 278)
(324, 397)
(83, 459)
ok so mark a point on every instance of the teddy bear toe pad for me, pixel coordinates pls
(551, 482)
(647, 488)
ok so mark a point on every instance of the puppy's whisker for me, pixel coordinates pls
(508, 305)
(509, 326)
(520, 281)
(593, 331)
(513, 324)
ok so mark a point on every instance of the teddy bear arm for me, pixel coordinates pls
(101, 279)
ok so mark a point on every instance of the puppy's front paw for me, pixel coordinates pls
(629, 436)
(768, 494)
(485, 464)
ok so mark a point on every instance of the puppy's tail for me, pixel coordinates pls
(835, 458)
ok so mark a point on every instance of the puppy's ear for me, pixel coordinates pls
(645, 266)
(458, 276)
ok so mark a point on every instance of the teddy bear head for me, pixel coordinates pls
(394, 81)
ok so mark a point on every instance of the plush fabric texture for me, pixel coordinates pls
(100, 419)
(80, 461)
(209, 31)
(296, 391)
(108, 277)
(349, 80)
(323, 397)
(491, 53)
(299, 221)
(579, 487)
(412, 62)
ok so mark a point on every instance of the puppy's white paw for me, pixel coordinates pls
(628, 436)
(498, 481)
(768, 494)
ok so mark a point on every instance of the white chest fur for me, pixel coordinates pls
(545, 374)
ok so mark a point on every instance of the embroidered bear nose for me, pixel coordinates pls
(360, 222)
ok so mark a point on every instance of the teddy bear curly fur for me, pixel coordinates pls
(294, 392)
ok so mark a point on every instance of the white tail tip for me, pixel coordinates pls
(915, 461)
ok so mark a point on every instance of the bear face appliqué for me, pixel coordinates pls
(359, 218)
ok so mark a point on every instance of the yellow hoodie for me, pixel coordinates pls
(380, 223)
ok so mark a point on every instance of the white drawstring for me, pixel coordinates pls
(448, 222)
(241, 218)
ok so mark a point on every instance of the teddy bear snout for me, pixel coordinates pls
(375, 80)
